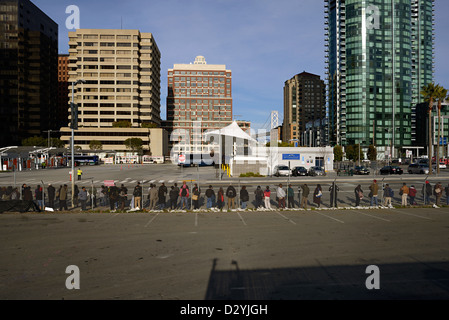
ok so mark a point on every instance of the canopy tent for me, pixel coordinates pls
(232, 130)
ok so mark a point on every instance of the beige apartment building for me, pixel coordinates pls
(198, 93)
(122, 72)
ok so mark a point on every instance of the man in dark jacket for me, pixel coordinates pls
(427, 192)
(231, 193)
(305, 196)
(51, 196)
(173, 195)
(162, 194)
(333, 189)
(210, 196)
(113, 197)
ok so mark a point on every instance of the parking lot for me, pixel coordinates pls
(231, 255)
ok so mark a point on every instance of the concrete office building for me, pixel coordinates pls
(199, 99)
(122, 73)
(304, 102)
(379, 55)
(28, 71)
(63, 90)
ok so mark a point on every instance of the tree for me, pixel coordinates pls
(35, 142)
(134, 144)
(149, 125)
(57, 143)
(122, 124)
(96, 145)
(440, 96)
(338, 153)
(353, 152)
(429, 93)
(372, 153)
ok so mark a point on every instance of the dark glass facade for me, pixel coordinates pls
(28, 71)
(373, 68)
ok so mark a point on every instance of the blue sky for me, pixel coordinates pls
(263, 42)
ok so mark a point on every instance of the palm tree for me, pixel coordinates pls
(429, 93)
(440, 96)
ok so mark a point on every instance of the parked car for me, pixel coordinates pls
(416, 168)
(391, 170)
(360, 170)
(282, 171)
(299, 171)
(316, 171)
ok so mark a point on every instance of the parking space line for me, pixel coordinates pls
(411, 214)
(152, 220)
(368, 215)
(241, 218)
(330, 217)
(286, 218)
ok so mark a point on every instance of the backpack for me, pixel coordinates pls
(184, 192)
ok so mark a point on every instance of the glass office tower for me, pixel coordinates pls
(375, 71)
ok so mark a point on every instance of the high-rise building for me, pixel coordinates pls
(121, 70)
(304, 102)
(28, 71)
(63, 90)
(379, 55)
(199, 99)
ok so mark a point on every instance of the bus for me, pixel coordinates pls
(81, 160)
(152, 160)
(127, 159)
(193, 160)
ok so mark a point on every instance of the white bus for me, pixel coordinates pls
(152, 160)
(127, 159)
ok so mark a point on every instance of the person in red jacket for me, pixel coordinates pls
(184, 194)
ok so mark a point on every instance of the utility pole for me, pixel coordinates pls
(74, 125)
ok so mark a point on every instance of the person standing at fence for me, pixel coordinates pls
(39, 197)
(184, 194)
(267, 198)
(388, 195)
(137, 193)
(196, 193)
(317, 195)
(83, 198)
(244, 197)
(123, 197)
(63, 193)
(162, 193)
(438, 192)
(210, 197)
(176, 189)
(412, 194)
(358, 195)
(404, 191)
(374, 193)
(154, 197)
(220, 198)
(291, 197)
(259, 197)
(281, 197)
(231, 194)
(333, 189)
(113, 194)
(305, 196)
(51, 191)
(427, 192)
(173, 198)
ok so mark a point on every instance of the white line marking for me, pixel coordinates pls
(414, 215)
(368, 215)
(241, 218)
(330, 217)
(152, 220)
(289, 220)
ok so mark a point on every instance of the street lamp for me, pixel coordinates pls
(74, 126)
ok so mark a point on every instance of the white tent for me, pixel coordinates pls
(232, 130)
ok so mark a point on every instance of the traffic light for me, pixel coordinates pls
(74, 112)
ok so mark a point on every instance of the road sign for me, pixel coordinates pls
(109, 183)
(443, 141)
(182, 158)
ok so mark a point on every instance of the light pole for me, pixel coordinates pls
(73, 126)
